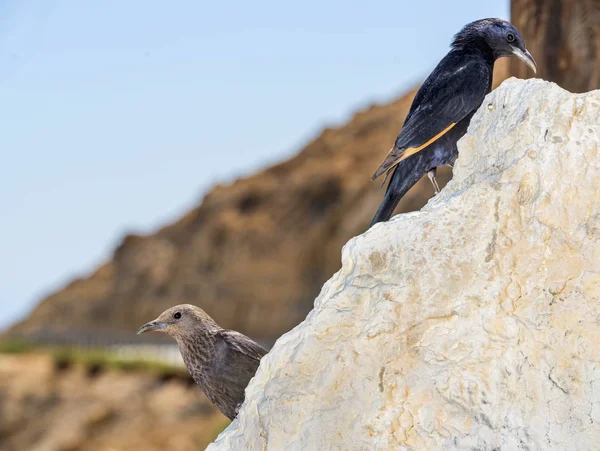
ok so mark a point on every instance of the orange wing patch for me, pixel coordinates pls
(393, 159)
(413, 150)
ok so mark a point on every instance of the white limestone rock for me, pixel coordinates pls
(471, 324)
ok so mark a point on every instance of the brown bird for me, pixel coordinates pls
(221, 361)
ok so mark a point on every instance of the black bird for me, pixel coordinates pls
(221, 361)
(444, 105)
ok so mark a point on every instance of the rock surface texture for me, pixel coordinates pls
(471, 324)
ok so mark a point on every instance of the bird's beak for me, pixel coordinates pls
(526, 57)
(152, 326)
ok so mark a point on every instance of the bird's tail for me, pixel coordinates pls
(404, 177)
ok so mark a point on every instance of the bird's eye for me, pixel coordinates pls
(177, 315)
(510, 37)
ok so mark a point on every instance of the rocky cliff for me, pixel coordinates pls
(471, 324)
(253, 254)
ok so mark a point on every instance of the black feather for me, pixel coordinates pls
(443, 106)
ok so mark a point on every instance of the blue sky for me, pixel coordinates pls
(118, 115)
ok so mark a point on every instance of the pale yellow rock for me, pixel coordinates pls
(472, 324)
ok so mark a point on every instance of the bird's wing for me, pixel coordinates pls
(240, 343)
(445, 99)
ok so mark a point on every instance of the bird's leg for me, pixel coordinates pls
(431, 175)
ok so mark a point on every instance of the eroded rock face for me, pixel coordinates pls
(471, 324)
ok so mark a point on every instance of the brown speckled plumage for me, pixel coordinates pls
(221, 361)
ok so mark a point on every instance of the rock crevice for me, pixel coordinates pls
(471, 324)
